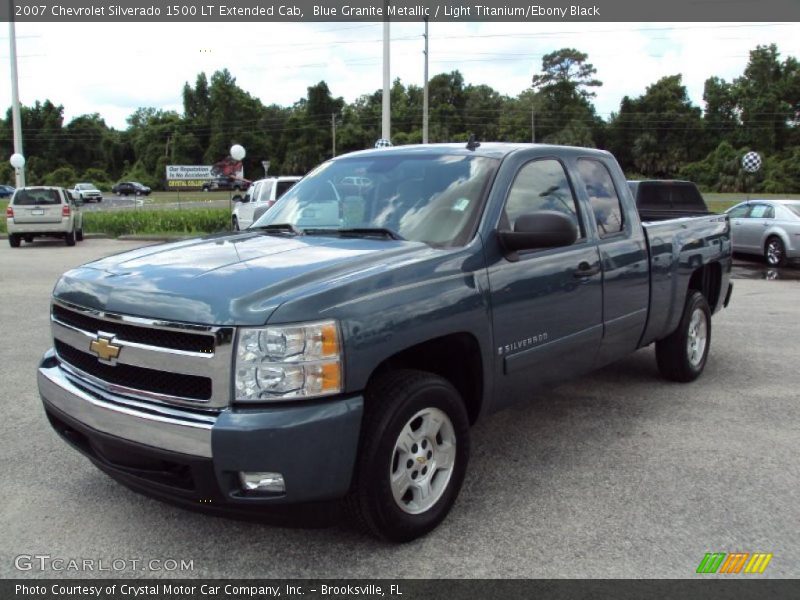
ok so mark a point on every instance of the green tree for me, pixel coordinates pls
(658, 132)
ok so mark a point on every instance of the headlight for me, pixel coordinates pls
(288, 361)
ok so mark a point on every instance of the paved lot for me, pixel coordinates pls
(617, 474)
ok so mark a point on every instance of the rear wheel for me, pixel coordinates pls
(79, 234)
(682, 355)
(775, 252)
(14, 240)
(412, 457)
(69, 238)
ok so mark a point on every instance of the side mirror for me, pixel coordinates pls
(541, 229)
(238, 198)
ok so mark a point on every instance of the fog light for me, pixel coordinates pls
(262, 482)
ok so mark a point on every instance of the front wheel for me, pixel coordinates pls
(412, 457)
(682, 355)
(235, 224)
(775, 252)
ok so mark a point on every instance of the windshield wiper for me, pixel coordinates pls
(359, 232)
(280, 228)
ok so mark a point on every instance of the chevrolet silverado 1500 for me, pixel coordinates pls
(342, 346)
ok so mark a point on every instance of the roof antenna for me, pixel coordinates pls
(472, 143)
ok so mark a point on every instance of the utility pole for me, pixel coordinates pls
(386, 125)
(425, 90)
(17, 120)
(333, 131)
(533, 125)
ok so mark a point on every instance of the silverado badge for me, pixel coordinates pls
(104, 348)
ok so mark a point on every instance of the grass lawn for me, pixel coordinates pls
(719, 202)
(176, 197)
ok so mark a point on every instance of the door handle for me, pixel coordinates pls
(586, 270)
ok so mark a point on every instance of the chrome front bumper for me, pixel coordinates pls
(312, 444)
(163, 428)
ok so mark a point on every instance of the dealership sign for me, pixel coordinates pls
(181, 177)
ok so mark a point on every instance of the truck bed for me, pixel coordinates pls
(677, 248)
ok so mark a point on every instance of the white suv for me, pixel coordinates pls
(43, 211)
(261, 195)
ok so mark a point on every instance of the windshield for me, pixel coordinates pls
(84, 186)
(431, 199)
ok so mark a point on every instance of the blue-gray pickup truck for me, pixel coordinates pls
(342, 346)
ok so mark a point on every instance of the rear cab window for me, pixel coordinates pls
(603, 196)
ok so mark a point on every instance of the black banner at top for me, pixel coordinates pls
(526, 11)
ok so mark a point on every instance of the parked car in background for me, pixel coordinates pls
(87, 192)
(130, 188)
(43, 211)
(259, 199)
(6, 191)
(226, 184)
(768, 228)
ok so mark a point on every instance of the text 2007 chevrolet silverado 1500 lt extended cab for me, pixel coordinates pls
(343, 345)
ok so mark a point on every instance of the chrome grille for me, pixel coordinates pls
(161, 361)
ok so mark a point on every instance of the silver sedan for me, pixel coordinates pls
(769, 228)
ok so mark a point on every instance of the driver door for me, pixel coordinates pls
(546, 304)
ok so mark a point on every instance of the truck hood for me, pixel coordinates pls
(226, 279)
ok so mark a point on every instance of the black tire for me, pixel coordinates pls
(28, 239)
(79, 235)
(235, 224)
(775, 252)
(392, 401)
(69, 238)
(677, 360)
(14, 240)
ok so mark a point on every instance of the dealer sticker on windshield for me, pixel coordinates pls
(461, 204)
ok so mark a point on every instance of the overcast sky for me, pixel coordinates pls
(112, 69)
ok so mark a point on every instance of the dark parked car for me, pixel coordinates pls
(226, 184)
(6, 191)
(127, 188)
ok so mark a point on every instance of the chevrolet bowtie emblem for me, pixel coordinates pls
(105, 349)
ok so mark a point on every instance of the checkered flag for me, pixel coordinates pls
(751, 162)
(383, 143)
